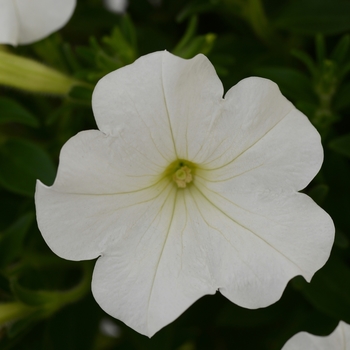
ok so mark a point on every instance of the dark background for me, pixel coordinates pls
(302, 45)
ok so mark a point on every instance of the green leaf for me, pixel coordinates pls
(308, 108)
(339, 53)
(315, 16)
(336, 173)
(199, 44)
(34, 297)
(52, 300)
(81, 94)
(319, 193)
(235, 316)
(128, 30)
(86, 54)
(321, 52)
(4, 286)
(196, 7)
(12, 111)
(25, 323)
(80, 325)
(188, 35)
(49, 50)
(341, 240)
(12, 311)
(22, 163)
(294, 84)
(11, 241)
(120, 46)
(341, 99)
(329, 290)
(305, 58)
(341, 145)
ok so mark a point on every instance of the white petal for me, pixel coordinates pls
(8, 23)
(130, 102)
(287, 157)
(159, 270)
(213, 132)
(98, 177)
(81, 226)
(263, 243)
(254, 188)
(250, 109)
(39, 18)
(193, 94)
(94, 163)
(338, 340)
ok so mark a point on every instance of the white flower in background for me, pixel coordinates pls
(27, 21)
(109, 328)
(338, 340)
(116, 6)
(183, 192)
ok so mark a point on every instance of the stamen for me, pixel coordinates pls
(182, 176)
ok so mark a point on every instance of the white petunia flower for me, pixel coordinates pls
(116, 6)
(183, 192)
(338, 340)
(27, 21)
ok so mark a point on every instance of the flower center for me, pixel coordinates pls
(181, 172)
(182, 176)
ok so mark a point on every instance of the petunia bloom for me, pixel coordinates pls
(27, 21)
(338, 340)
(116, 6)
(182, 192)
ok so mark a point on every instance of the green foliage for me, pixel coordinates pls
(115, 51)
(302, 45)
(341, 145)
(312, 17)
(13, 112)
(329, 290)
(22, 163)
(292, 82)
(319, 193)
(12, 239)
(192, 44)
